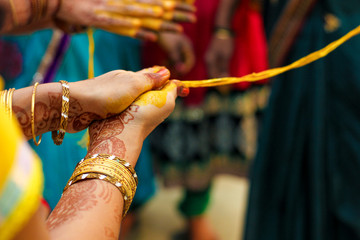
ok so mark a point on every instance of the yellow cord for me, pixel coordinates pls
(253, 77)
(90, 34)
(91, 53)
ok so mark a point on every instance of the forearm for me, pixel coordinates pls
(48, 108)
(90, 209)
(93, 209)
(17, 15)
(115, 136)
(225, 13)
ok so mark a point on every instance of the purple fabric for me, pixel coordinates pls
(50, 73)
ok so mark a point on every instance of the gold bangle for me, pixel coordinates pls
(38, 10)
(11, 101)
(99, 176)
(115, 171)
(13, 11)
(111, 169)
(37, 143)
(117, 159)
(6, 98)
(128, 188)
(8, 102)
(3, 98)
(223, 33)
(58, 137)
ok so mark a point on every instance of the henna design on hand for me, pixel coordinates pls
(24, 120)
(79, 197)
(83, 120)
(47, 115)
(104, 134)
(41, 115)
(106, 192)
(112, 145)
(109, 233)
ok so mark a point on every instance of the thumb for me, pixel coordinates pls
(156, 76)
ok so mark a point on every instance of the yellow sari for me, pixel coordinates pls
(21, 178)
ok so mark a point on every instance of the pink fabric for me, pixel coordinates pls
(250, 54)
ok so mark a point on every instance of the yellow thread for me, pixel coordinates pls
(275, 71)
(91, 53)
(90, 65)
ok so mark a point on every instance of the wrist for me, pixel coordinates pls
(53, 7)
(223, 32)
(126, 145)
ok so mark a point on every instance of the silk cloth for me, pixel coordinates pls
(305, 181)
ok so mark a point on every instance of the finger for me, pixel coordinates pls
(210, 60)
(172, 5)
(223, 67)
(160, 25)
(189, 57)
(175, 55)
(169, 4)
(135, 9)
(182, 91)
(157, 76)
(105, 19)
(132, 32)
(171, 88)
(179, 16)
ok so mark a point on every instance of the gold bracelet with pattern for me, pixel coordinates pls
(111, 169)
(58, 137)
(100, 176)
(38, 10)
(117, 159)
(126, 186)
(37, 143)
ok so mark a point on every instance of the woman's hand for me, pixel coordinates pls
(180, 51)
(110, 94)
(218, 56)
(135, 18)
(122, 135)
(90, 100)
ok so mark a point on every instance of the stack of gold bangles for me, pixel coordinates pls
(38, 10)
(6, 100)
(111, 169)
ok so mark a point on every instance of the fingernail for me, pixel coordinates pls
(183, 91)
(145, 35)
(164, 72)
(156, 69)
